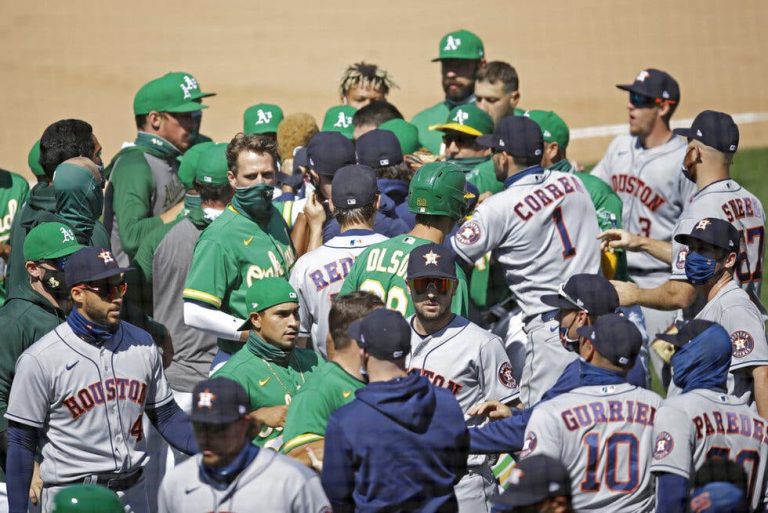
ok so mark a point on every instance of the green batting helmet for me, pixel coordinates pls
(438, 189)
(86, 498)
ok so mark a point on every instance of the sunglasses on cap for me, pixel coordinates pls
(422, 285)
(106, 290)
(576, 304)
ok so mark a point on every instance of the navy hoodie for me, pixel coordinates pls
(401, 445)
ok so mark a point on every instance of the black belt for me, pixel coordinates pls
(115, 482)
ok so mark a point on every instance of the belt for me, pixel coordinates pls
(115, 482)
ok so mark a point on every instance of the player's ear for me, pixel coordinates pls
(78, 295)
(515, 99)
(255, 320)
(586, 349)
(730, 261)
(33, 269)
(155, 120)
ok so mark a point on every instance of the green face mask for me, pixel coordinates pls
(254, 201)
(467, 164)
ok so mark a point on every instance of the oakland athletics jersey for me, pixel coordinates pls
(541, 230)
(654, 192)
(269, 383)
(729, 201)
(381, 270)
(603, 434)
(231, 254)
(271, 482)
(328, 389)
(13, 192)
(702, 424)
(318, 276)
(88, 400)
(435, 115)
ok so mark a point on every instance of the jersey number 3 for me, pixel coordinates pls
(621, 463)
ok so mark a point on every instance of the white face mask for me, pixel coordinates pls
(211, 213)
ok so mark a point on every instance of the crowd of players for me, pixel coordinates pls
(374, 314)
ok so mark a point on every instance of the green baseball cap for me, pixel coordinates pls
(86, 498)
(553, 128)
(189, 162)
(262, 118)
(173, 92)
(212, 167)
(33, 159)
(47, 241)
(460, 44)
(467, 119)
(407, 134)
(339, 119)
(266, 293)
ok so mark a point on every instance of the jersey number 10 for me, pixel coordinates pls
(620, 452)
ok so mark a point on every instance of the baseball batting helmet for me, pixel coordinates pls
(438, 189)
(86, 498)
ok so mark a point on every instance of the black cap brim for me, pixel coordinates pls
(586, 331)
(355, 331)
(625, 87)
(486, 141)
(690, 133)
(556, 301)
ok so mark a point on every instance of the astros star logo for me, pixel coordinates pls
(431, 258)
(106, 256)
(702, 225)
(205, 399)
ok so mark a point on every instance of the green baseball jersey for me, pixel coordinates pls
(381, 270)
(231, 254)
(329, 388)
(434, 115)
(268, 383)
(13, 192)
(484, 178)
(487, 286)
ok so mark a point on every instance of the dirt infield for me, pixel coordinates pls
(87, 59)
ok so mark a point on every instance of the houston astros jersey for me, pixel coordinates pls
(701, 424)
(272, 482)
(729, 201)
(88, 400)
(233, 253)
(328, 389)
(654, 192)
(381, 270)
(603, 434)
(541, 229)
(318, 276)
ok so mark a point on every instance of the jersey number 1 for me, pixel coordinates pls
(568, 249)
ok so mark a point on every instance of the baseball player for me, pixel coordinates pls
(339, 119)
(249, 241)
(461, 55)
(710, 265)
(269, 366)
(704, 421)
(436, 196)
(332, 386)
(319, 274)
(230, 473)
(456, 354)
(87, 498)
(643, 168)
(497, 90)
(602, 431)
(538, 484)
(263, 119)
(82, 391)
(361, 83)
(13, 193)
(541, 229)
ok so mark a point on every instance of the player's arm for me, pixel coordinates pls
(616, 238)
(670, 295)
(305, 316)
(211, 320)
(175, 427)
(671, 493)
(672, 460)
(484, 232)
(506, 435)
(495, 372)
(543, 434)
(338, 476)
(22, 443)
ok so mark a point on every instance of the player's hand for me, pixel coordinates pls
(166, 348)
(492, 409)
(616, 238)
(36, 486)
(314, 212)
(272, 416)
(484, 196)
(627, 292)
(315, 462)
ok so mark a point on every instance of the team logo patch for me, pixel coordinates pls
(742, 343)
(469, 233)
(681, 259)
(505, 375)
(529, 445)
(702, 225)
(205, 399)
(431, 258)
(663, 445)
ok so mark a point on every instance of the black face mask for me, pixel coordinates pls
(53, 282)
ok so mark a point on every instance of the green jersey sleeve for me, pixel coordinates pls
(211, 275)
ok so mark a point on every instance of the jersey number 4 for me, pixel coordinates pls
(137, 429)
(620, 451)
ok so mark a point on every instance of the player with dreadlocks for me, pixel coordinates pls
(362, 83)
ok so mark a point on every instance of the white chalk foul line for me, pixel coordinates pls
(743, 118)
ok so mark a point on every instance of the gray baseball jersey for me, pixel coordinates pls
(603, 434)
(319, 275)
(272, 482)
(702, 423)
(729, 201)
(541, 229)
(654, 192)
(88, 400)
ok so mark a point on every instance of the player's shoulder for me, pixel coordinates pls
(470, 331)
(429, 113)
(134, 335)
(183, 474)
(129, 160)
(308, 356)
(50, 341)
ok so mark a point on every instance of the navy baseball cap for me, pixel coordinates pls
(219, 401)
(379, 148)
(687, 332)
(329, 151)
(714, 129)
(354, 186)
(719, 497)
(591, 293)
(383, 333)
(616, 338)
(518, 136)
(654, 83)
(91, 264)
(533, 480)
(715, 232)
(299, 159)
(431, 260)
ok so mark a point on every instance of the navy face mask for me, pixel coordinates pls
(698, 268)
